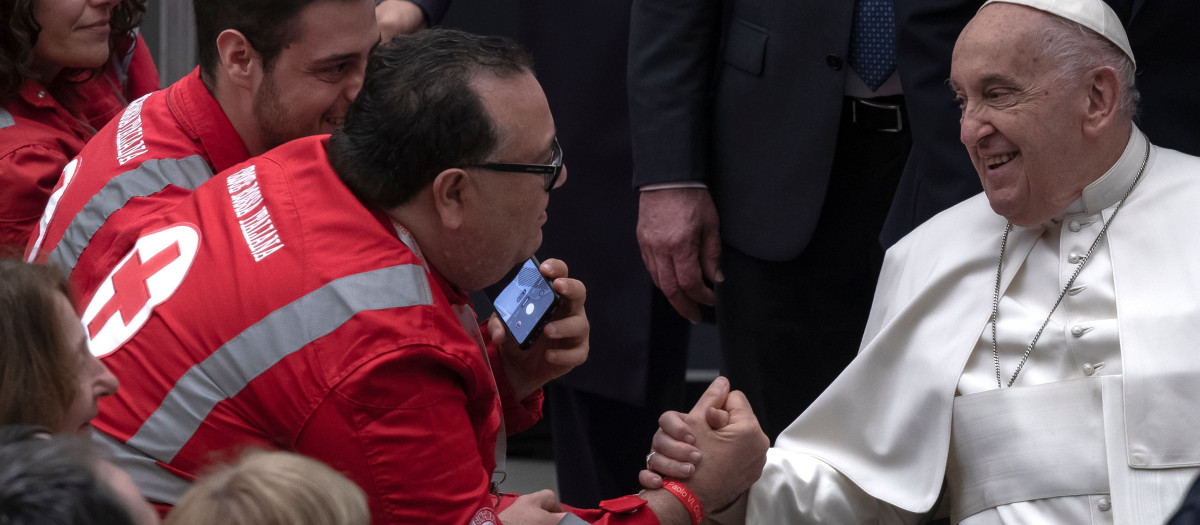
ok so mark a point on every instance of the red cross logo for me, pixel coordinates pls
(130, 293)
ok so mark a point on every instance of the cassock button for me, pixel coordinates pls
(1089, 369)
(1103, 504)
(41, 94)
(1074, 258)
(1074, 226)
(1077, 331)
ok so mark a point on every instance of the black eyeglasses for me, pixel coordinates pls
(548, 171)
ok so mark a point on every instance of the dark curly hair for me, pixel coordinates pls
(20, 33)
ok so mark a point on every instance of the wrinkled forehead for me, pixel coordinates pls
(1001, 36)
(1003, 24)
(1094, 15)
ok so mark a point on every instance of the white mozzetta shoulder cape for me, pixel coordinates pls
(885, 422)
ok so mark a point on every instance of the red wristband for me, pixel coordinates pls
(686, 497)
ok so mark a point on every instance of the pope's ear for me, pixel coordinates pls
(1104, 100)
(239, 61)
(451, 194)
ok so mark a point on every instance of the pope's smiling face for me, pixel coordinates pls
(1021, 124)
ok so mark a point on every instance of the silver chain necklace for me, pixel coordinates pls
(1063, 293)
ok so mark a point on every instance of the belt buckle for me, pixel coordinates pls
(894, 108)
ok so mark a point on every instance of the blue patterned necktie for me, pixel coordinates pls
(873, 41)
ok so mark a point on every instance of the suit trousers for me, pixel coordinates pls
(788, 328)
(601, 443)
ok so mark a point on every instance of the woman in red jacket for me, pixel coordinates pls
(66, 68)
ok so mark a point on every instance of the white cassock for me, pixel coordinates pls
(1103, 423)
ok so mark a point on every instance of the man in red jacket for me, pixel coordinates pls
(269, 72)
(314, 299)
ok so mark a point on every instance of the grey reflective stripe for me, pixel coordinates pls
(149, 178)
(155, 482)
(6, 119)
(230, 368)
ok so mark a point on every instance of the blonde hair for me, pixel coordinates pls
(272, 488)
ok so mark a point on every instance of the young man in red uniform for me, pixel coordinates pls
(269, 72)
(314, 299)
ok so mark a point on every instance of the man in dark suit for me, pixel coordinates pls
(939, 174)
(767, 151)
(602, 412)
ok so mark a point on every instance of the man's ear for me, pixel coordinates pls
(240, 62)
(1104, 100)
(452, 197)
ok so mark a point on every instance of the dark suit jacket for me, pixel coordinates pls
(1189, 509)
(434, 9)
(579, 53)
(1164, 38)
(939, 172)
(745, 95)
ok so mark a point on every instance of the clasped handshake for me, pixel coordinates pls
(717, 449)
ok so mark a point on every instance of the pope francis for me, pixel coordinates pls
(1032, 353)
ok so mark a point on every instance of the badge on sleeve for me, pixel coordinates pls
(148, 275)
(484, 517)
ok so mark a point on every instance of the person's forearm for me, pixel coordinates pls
(667, 507)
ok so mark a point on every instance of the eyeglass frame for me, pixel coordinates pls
(550, 172)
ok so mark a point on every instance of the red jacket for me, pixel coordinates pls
(39, 133)
(159, 148)
(271, 308)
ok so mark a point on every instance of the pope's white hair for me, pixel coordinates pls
(1075, 50)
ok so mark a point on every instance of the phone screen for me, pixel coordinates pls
(525, 303)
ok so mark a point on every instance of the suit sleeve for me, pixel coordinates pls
(434, 10)
(401, 427)
(938, 173)
(673, 46)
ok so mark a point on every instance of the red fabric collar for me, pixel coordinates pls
(34, 100)
(205, 121)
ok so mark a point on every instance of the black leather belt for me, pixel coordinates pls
(884, 114)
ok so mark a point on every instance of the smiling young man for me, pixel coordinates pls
(269, 72)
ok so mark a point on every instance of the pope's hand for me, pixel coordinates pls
(717, 448)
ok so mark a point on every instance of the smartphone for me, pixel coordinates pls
(525, 301)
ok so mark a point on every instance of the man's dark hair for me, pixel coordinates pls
(417, 113)
(269, 25)
(51, 481)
